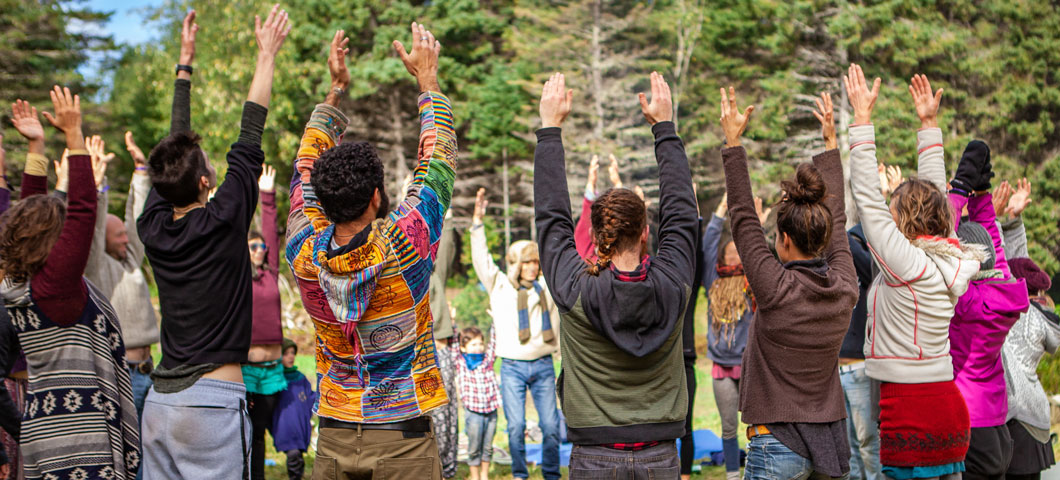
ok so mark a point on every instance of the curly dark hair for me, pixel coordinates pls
(802, 213)
(345, 178)
(29, 231)
(469, 334)
(175, 166)
(618, 220)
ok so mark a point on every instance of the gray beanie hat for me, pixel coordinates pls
(972, 232)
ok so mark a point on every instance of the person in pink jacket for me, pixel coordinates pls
(982, 319)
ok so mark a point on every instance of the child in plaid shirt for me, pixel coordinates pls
(480, 395)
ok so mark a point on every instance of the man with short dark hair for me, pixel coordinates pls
(364, 274)
(195, 421)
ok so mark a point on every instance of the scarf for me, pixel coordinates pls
(524, 312)
(728, 302)
(473, 360)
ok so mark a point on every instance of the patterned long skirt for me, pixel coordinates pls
(445, 418)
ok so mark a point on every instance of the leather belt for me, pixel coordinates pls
(756, 430)
(418, 424)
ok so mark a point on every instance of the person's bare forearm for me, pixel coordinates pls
(261, 85)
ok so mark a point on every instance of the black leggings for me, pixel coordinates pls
(688, 446)
(261, 408)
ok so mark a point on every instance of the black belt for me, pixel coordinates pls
(418, 424)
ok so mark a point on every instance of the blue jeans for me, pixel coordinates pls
(480, 430)
(769, 459)
(141, 384)
(862, 431)
(590, 462)
(540, 378)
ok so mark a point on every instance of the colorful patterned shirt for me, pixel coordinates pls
(370, 302)
(478, 387)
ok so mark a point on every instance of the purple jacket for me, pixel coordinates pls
(981, 321)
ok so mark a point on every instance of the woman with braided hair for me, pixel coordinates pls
(623, 383)
(790, 392)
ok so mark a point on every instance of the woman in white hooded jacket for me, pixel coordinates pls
(924, 425)
(526, 322)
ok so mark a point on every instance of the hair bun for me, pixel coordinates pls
(807, 188)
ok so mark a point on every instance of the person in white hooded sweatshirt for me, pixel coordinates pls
(526, 322)
(924, 423)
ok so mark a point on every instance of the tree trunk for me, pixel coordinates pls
(597, 75)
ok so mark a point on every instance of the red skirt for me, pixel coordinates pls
(922, 424)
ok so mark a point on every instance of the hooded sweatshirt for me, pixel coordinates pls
(913, 299)
(623, 378)
(369, 299)
(503, 290)
(982, 319)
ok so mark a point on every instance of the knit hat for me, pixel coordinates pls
(971, 232)
(1030, 272)
(288, 343)
(520, 251)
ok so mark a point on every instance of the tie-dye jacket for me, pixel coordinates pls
(370, 305)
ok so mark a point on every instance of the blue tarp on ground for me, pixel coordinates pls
(705, 440)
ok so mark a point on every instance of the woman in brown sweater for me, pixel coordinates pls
(790, 393)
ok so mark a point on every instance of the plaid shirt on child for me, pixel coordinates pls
(478, 388)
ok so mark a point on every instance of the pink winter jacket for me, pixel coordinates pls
(981, 321)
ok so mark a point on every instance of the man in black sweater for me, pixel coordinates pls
(194, 422)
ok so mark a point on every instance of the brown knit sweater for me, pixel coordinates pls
(791, 364)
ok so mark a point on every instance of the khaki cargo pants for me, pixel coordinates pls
(350, 454)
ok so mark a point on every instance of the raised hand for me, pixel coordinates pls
(733, 123)
(422, 61)
(555, 101)
(594, 168)
(97, 151)
(1001, 195)
(187, 40)
(480, 207)
(927, 104)
(763, 215)
(894, 178)
(62, 172)
(24, 118)
(661, 108)
(640, 193)
(825, 114)
(612, 172)
(862, 98)
(67, 116)
(139, 160)
(723, 207)
(340, 75)
(271, 34)
(1020, 199)
(267, 180)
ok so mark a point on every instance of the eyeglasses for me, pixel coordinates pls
(258, 246)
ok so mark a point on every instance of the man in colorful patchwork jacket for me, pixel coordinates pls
(364, 274)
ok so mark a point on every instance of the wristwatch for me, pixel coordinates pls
(184, 68)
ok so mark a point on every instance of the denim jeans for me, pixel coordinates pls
(141, 384)
(480, 430)
(769, 459)
(862, 430)
(517, 376)
(592, 462)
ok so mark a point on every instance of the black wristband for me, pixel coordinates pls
(184, 68)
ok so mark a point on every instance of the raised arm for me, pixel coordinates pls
(831, 167)
(481, 258)
(712, 243)
(583, 230)
(60, 278)
(762, 269)
(134, 204)
(678, 223)
(431, 189)
(267, 187)
(1013, 229)
(35, 175)
(901, 261)
(560, 262)
(324, 130)
(931, 162)
(180, 118)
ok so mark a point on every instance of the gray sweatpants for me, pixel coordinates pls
(200, 432)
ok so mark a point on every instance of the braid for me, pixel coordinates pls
(618, 218)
